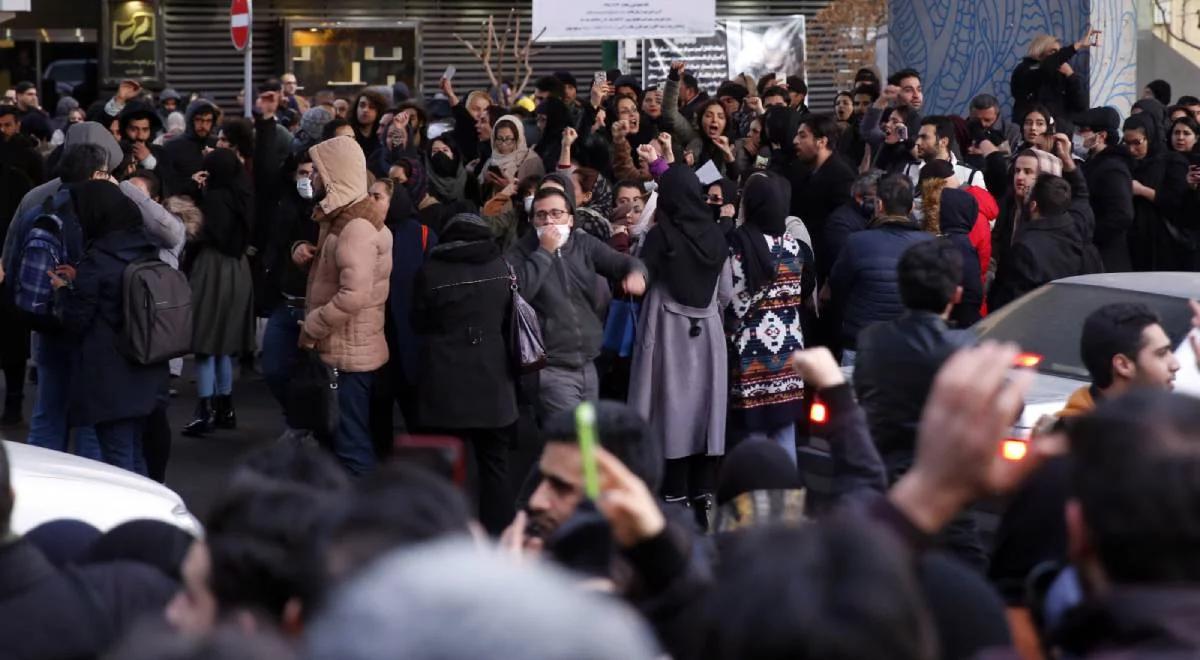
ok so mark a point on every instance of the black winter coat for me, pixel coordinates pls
(1046, 249)
(1042, 82)
(816, 195)
(105, 386)
(73, 613)
(185, 154)
(1110, 182)
(893, 373)
(461, 310)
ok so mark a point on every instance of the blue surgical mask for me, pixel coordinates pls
(304, 188)
(528, 205)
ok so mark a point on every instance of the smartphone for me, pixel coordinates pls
(600, 78)
(495, 170)
(902, 132)
(448, 74)
(761, 162)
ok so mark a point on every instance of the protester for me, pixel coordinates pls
(556, 267)
(185, 153)
(347, 292)
(772, 273)
(953, 213)
(222, 291)
(1045, 76)
(89, 300)
(1050, 246)
(681, 340)
(140, 125)
(825, 185)
(1109, 180)
(465, 385)
(18, 150)
(863, 281)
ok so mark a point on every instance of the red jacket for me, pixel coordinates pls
(981, 233)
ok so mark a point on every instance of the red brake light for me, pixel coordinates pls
(1014, 450)
(818, 414)
(1027, 360)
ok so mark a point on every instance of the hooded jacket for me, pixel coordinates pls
(185, 153)
(958, 212)
(348, 279)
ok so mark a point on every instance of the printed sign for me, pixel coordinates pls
(579, 20)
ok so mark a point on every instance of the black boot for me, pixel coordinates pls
(226, 418)
(12, 411)
(204, 419)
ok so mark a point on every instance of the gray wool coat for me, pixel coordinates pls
(680, 383)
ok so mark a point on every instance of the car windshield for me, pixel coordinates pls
(1049, 321)
(66, 71)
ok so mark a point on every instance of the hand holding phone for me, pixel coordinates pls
(448, 74)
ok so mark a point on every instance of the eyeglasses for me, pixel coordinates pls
(1135, 142)
(552, 214)
(716, 199)
(506, 140)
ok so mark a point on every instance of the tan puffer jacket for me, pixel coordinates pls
(348, 278)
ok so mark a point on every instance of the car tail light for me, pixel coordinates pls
(1027, 360)
(1013, 449)
(818, 413)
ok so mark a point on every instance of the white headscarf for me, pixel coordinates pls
(509, 165)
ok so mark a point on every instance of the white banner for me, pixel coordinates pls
(590, 20)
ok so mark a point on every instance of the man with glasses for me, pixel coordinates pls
(1109, 174)
(291, 96)
(558, 270)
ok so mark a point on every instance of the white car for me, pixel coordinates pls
(50, 485)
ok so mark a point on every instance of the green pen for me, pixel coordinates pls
(585, 430)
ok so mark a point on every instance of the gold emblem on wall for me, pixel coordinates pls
(128, 34)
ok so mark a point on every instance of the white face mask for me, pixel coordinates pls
(304, 187)
(564, 232)
(528, 205)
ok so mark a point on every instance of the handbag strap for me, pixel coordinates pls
(489, 279)
(512, 275)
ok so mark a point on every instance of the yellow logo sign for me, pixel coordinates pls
(128, 34)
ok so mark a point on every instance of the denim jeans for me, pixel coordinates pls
(48, 426)
(353, 445)
(279, 349)
(848, 357)
(214, 375)
(121, 443)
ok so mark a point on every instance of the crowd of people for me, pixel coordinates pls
(702, 269)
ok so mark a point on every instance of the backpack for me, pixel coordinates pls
(44, 249)
(157, 309)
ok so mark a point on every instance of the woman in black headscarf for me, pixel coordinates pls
(680, 367)
(461, 309)
(1157, 242)
(770, 270)
(108, 391)
(222, 289)
(553, 119)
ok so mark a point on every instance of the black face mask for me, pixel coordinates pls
(716, 210)
(443, 165)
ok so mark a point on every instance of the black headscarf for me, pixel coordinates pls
(103, 209)
(685, 248)
(1153, 125)
(729, 193)
(466, 238)
(227, 203)
(765, 203)
(557, 121)
(1156, 112)
(401, 208)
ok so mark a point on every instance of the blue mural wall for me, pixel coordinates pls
(968, 47)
